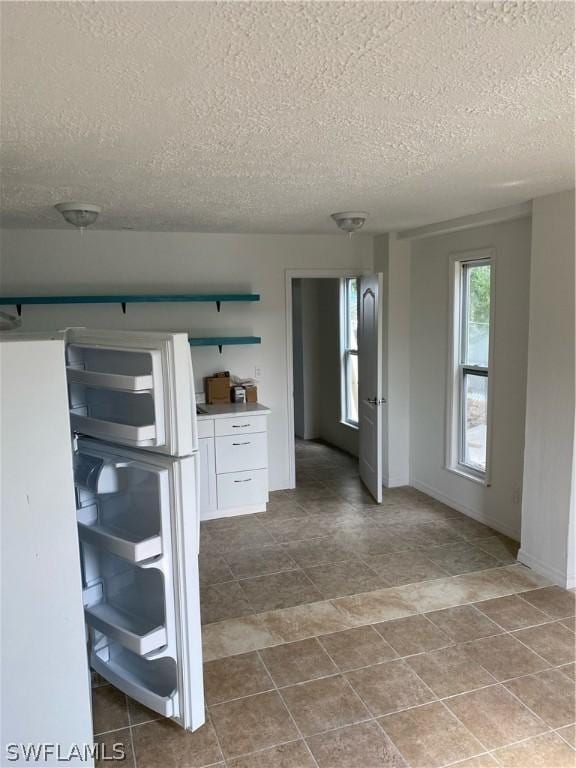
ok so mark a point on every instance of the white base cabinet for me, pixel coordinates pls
(233, 461)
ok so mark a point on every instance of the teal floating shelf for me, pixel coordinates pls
(146, 298)
(221, 341)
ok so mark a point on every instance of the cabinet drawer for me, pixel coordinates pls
(236, 453)
(205, 428)
(240, 489)
(240, 425)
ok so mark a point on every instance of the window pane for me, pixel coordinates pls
(352, 311)
(475, 420)
(352, 388)
(476, 329)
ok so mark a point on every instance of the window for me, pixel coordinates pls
(349, 350)
(472, 313)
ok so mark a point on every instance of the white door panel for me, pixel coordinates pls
(370, 401)
(132, 388)
(138, 522)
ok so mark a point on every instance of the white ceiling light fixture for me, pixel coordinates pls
(81, 215)
(350, 221)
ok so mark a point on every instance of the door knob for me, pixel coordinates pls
(376, 400)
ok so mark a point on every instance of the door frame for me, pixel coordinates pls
(290, 275)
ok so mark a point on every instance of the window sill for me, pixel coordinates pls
(461, 472)
(349, 425)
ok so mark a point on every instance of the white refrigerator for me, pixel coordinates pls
(99, 534)
(133, 414)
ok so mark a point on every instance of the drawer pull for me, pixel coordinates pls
(248, 480)
(246, 443)
(240, 426)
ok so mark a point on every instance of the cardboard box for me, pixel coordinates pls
(251, 393)
(217, 388)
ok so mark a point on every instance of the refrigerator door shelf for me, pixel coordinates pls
(138, 435)
(132, 607)
(132, 632)
(121, 542)
(110, 397)
(124, 506)
(153, 683)
(110, 380)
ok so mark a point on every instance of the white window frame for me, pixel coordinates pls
(457, 369)
(345, 353)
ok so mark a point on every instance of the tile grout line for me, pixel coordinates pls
(375, 719)
(216, 736)
(287, 708)
(441, 701)
(131, 733)
(557, 730)
(264, 749)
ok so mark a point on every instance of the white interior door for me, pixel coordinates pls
(133, 388)
(138, 523)
(370, 399)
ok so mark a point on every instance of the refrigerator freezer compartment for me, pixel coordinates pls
(121, 542)
(152, 683)
(138, 634)
(110, 380)
(132, 605)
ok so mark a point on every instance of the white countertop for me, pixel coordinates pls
(223, 410)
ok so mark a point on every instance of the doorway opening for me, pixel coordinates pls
(325, 374)
(334, 364)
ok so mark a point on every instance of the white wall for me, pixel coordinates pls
(548, 525)
(62, 261)
(499, 504)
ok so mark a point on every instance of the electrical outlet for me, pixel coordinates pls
(517, 496)
(257, 372)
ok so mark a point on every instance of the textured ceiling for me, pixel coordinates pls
(268, 116)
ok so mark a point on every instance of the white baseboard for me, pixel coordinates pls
(507, 530)
(217, 514)
(568, 581)
(397, 482)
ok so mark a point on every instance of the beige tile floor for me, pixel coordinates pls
(339, 634)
